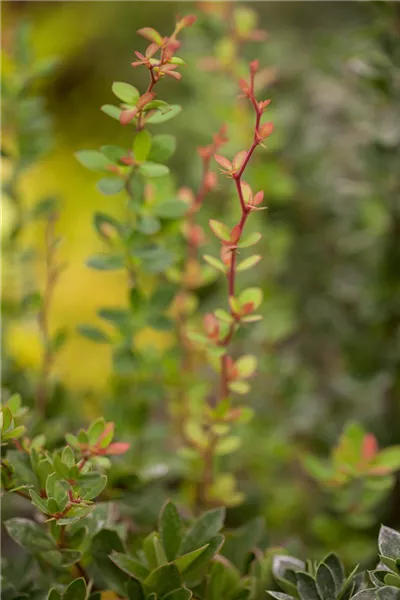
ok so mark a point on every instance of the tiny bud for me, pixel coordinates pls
(204, 151)
(189, 20)
(210, 181)
(196, 235)
(211, 326)
(254, 66)
(186, 195)
(244, 86)
(262, 105)
(226, 256)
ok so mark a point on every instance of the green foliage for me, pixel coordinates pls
(89, 518)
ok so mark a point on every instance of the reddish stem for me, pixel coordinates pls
(208, 456)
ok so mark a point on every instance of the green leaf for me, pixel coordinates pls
(77, 537)
(125, 92)
(149, 549)
(246, 366)
(142, 145)
(227, 445)
(29, 535)
(159, 117)
(148, 225)
(163, 580)
(317, 468)
(59, 339)
(180, 594)
(14, 434)
(95, 430)
(14, 403)
(91, 485)
(159, 104)
(170, 527)
(149, 169)
(76, 590)
(366, 595)
(134, 590)
(163, 146)
(102, 222)
(222, 579)
(44, 208)
(201, 561)
(185, 561)
(392, 579)
(104, 544)
(389, 458)
(250, 240)
(156, 259)
(325, 581)
(253, 295)
(68, 457)
(111, 111)
(113, 153)
(214, 262)
(54, 594)
(171, 209)
(93, 160)
(240, 544)
(306, 586)
(61, 559)
(388, 593)
(282, 563)
(336, 567)
(110, 185)
(75, 514)
(38, 501)
(220, 230)
(389, 542)
(7, 418)
(249, 262)
(105, 262)
(223, 315)
(94, 334)
(129, 565)
(202, 530)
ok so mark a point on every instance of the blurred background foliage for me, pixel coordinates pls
(329, 345)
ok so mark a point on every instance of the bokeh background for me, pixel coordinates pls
(329, 345)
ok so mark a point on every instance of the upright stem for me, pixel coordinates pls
(208, 456)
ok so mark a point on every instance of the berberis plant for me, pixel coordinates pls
(80, 541)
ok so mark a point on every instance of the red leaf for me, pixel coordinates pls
(127, 115)
(188, 21)
(118, 448)
(224, 162)
(266, 129)
(235, 234)
(258, 198)
(151, 34)
(370, 447)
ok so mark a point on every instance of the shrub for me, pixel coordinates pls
(80, 534)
